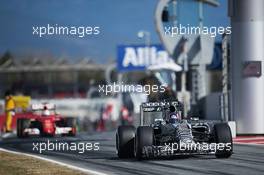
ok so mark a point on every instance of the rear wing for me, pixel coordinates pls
(156, 107)
(41, 106)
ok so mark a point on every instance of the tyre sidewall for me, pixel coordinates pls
(125, 137)
(223, 135)
(144, 137)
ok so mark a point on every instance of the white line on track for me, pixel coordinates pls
(88, 171)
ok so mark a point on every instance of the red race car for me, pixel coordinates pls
(44, 121)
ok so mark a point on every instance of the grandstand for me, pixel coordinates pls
(49, 77)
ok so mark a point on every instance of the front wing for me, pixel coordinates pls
(58, 130)
(166, 150)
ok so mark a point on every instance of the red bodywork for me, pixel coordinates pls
(48, 122)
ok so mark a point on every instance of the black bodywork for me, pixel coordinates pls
(158, 136)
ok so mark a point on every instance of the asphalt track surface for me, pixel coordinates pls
(247, 159)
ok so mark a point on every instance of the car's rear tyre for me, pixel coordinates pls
(144, 137)
(71, 122)
(125, 137)
(22, 124)
(223, 136)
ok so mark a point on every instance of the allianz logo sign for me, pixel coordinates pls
(144, 56)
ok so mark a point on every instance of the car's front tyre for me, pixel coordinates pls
(144, 137)
(223, 136)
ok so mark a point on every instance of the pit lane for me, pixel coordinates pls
(247, 159)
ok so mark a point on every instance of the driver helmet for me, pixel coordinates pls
(174, 115)
(46, 112)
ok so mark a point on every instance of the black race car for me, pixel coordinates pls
(163, 132)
